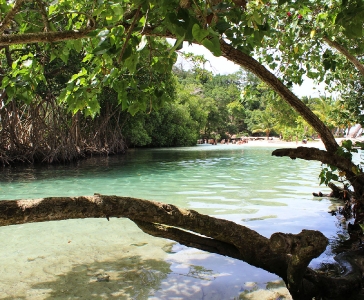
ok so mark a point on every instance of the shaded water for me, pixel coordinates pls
(115, 260)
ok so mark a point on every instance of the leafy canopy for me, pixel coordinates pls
(291, 37)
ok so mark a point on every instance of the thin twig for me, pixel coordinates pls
(43, 12)
(129, 33)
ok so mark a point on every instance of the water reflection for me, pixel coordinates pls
(238, 183)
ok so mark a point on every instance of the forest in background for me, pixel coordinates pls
(198, 105)
(118, 48)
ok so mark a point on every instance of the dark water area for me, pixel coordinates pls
(71, 259)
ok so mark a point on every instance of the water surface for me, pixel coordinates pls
(72, 259)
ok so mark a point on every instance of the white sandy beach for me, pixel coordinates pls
(277, 143)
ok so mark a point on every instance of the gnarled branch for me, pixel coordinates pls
(277, 255)
(286, 255)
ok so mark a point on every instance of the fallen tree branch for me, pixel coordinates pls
(189, 239)
(286, 255)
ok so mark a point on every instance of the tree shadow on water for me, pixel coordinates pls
(128, 278)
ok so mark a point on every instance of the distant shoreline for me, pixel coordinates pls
(279, 143)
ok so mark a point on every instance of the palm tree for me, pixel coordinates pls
(324, 108)
(264, 122)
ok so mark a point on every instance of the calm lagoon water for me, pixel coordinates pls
(71, 259)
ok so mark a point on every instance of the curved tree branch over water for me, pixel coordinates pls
(286, 255)
(101, 33)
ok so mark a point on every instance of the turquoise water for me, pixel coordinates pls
(69, 259)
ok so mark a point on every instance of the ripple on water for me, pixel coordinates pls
(63, 259)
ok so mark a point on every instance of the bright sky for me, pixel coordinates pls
(220, 65)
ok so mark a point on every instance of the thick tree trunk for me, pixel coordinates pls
(286, 255)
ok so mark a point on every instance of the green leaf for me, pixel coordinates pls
(131, 62)
(88, 57)
(334, 177)
(142, 21)
(117, 10)
(51, 9)
(281, 2)
(355, 170)
(178, 44)
(10, 91)
(103, 47)
(213, 45)
(257, 18)
(142, 43)
(258, 37)
(173, 23)
(53, 56)
(222, 26)
(124, 101)
(5, 82)
(14, 65)
(77, 44)
(63, 57)
(198, 33)
(133, 109)
(353, 31)
(158, 92)
(248, 31)
(347, 144)
(127, 52)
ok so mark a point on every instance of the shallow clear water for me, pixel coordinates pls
(69, 259)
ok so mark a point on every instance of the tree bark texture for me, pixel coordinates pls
(286, 255)
(43, 37)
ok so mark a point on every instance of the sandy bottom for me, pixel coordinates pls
(96, 259)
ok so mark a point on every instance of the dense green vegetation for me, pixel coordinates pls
(196, 104)
(124, 68)
(75, 77)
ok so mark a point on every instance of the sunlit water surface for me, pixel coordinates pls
(71, 259)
